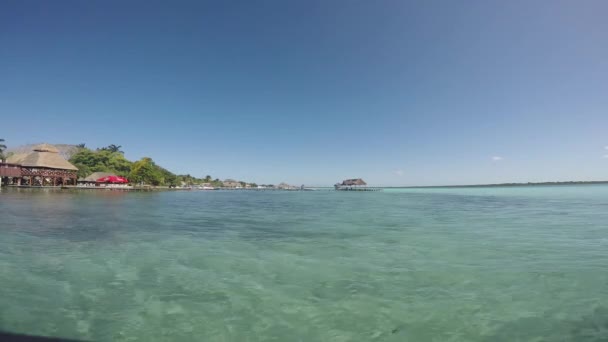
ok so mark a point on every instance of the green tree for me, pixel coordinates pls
(2, 148)
(111, 159)
(146, 171)
(88, 161)
(119, 164)
(112, 148)
(207, 179)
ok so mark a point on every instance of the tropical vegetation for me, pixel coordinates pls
(144, 171)
(2, 149)
(111, 159)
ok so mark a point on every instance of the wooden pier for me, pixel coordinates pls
(358, 189)
(354, 184)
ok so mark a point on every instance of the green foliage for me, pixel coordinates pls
(147, 172)
(88, 161)
(111, 159)
(111, 148)
(168, 178)
(2, 148)
(189, 180)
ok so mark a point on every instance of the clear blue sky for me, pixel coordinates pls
(312, 92)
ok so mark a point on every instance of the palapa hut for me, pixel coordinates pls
(16, 158)
(350, 183)
(43, 167)
(93, 177)
(231, 183)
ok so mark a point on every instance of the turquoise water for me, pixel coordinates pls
(489, 264)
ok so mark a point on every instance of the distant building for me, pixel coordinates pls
(285, 186)
(350, 183)
(41, 167)
(231, 183)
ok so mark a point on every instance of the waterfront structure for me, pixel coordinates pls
(356, 184)
(41, 167)
(232, 184)
(285, 186)
(9, 172)
(92, 179)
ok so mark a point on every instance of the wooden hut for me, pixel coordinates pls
(349, 184)
(43, 167)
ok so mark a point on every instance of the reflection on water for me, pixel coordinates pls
(306, 266)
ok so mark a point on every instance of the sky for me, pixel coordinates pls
(313, 92)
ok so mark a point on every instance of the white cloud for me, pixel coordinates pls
(605, 156)
(399, 173)
(606, 147)
(497, 158)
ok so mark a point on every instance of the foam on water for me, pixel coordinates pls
(400, 265)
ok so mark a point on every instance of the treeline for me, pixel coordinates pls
(2, 149)
(111, 159)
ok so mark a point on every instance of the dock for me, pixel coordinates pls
(357, 189)
(354, 184)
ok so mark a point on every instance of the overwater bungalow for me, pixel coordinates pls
(351, 184)
(44, 166)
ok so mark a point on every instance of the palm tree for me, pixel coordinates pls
(112, 148)
(2, 149)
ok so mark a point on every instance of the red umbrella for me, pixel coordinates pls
(113, 179)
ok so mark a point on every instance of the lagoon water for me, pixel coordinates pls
(476, 264)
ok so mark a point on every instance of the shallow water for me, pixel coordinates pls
(488, 264)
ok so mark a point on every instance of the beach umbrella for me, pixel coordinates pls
(113, 179)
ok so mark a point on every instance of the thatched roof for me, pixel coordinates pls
(96, 175)
(66, 151)
(16, 158)
(356, 181)
(45, 148)
(46, 155)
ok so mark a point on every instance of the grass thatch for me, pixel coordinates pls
(45, 155)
